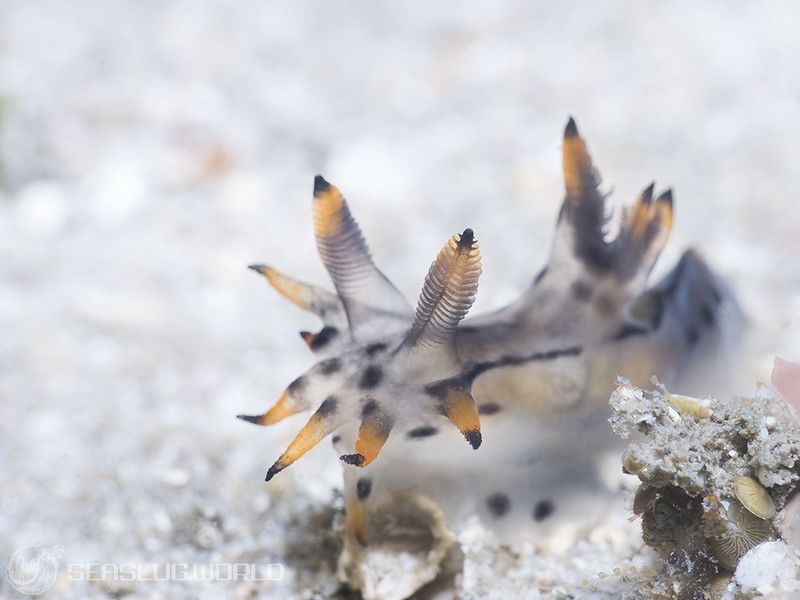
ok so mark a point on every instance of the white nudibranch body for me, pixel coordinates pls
(526, 386)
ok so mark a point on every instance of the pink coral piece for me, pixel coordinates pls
(786, 379)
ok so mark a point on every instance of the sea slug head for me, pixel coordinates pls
(381, 363)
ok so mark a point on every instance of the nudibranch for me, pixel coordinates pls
(527, 386)
(374, 379)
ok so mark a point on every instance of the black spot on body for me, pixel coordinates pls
(707, 314)
(438, 390)
(543, 509)
(363, 488)
(328, 407)
(489, 408)
(540, 276)
(371, 377)
(581, 291)
(629, 330)
(692, 336)
(370, 406)
(325, 335)
(298, 384)
(498, 504)
(330, 366)
(336, 439)
(374, 349)
(423, 431)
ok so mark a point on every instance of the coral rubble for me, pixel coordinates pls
(716, 477)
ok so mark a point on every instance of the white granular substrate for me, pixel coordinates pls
(149, 151)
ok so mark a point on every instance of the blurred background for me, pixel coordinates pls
(149, 151)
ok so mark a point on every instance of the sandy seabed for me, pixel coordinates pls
(150, 151)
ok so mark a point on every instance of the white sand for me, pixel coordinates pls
(151, 150)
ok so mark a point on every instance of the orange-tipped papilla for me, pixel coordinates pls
(651, 219)
(328, 204)
(291, 402)
(459, 406)
(304, 295)
(301, 294)
(663, 208)
(321, 423)
(580, 177)
(642, 212)
(376, 425)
